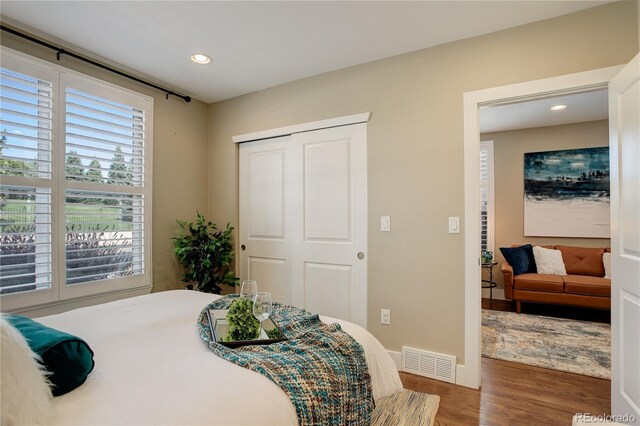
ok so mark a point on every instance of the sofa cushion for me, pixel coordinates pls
(539, 282)
(582, 260)
(592, 286)
(520, 258)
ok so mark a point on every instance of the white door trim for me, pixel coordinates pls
(593, 79)
(303, 127)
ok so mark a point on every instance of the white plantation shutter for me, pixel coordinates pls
(105, 139)
(26, 108)
(97, 129)
(104, 236)
(486, 196)
(25, 253)
(26, 142)
(75, 181)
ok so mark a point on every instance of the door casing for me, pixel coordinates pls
(469, 373)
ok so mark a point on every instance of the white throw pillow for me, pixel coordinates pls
(549, 261)
(25, 394)
(606, 259)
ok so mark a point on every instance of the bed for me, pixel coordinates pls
(153, 368)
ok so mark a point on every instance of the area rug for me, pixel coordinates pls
(580, 347)
(406, 408)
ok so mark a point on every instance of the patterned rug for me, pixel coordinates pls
(579, 347)
(406, 408)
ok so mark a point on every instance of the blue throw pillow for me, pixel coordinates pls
(68, 358)
(520, 258)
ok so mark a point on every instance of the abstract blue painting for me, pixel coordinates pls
(566, 193)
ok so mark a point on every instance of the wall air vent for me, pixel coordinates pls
(429, 364)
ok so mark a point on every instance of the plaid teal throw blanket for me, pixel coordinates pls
(321, 368)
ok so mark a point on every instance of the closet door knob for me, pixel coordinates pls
(243, 248)
(360, 255)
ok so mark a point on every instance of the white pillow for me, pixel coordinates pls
(549, 261)
(25, 394)
(606, 259)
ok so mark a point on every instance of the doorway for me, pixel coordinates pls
(553, 153)
(585, 81)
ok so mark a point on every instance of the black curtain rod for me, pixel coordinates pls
(60, 51)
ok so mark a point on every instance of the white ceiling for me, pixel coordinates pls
(256, 45)
(581, 107)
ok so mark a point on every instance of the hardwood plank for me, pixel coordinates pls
(516, 394)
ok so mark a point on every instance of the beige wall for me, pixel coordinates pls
(179, 160)
(415, 152)
(509, 149)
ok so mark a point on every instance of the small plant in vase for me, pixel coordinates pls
(206, 254)
(242, 324)
(486, 256)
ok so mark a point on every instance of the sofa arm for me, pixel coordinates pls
(507, 270)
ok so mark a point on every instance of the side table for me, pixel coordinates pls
(490, 283)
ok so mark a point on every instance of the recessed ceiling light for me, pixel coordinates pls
(558, 107)
(199, 58)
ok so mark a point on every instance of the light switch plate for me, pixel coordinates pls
(454, 225)
(385, 223)
(385, 316)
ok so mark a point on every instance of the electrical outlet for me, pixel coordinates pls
(385, 316)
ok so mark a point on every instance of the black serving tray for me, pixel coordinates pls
(220, 327)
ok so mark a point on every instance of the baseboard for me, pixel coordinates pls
(463, 378)
(498, 293)
(397, 358)
(460, 375)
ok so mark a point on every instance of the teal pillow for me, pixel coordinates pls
(68, 358)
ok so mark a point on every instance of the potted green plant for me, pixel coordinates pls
(206, 254)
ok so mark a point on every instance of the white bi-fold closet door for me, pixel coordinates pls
(303, 219)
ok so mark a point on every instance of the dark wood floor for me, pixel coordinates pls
(516, 394)
(558, 311)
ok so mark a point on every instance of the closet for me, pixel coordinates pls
(303, 219)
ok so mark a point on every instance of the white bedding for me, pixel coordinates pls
(153, 368)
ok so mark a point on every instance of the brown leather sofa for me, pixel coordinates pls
(584, 285)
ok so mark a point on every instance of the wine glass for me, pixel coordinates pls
(249, 288)
(262, 306)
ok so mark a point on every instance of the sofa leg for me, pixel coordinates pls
(518, 306)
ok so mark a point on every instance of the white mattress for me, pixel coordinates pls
(153, 368)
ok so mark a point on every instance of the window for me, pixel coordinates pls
(75, 180)
(486, 196)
